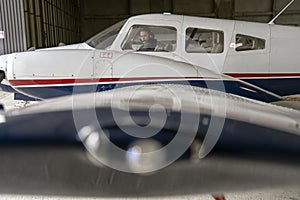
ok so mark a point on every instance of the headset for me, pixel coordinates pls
(150, 33)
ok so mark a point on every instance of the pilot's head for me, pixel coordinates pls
(146, 36)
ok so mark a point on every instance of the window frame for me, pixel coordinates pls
(250, 37)
(205, 30)
(140, 26)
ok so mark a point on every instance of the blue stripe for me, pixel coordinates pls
(232, 87)
(280, 86)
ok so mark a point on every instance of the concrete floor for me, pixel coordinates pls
(274, 194)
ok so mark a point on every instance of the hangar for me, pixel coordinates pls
(46, 23)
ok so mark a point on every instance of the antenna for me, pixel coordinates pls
(272, 21)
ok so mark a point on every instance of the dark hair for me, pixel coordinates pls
(147, 30)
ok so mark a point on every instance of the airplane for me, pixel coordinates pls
(226, 142)
(264, 55)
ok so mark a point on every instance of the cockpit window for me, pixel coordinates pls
(248, 43)
(204, 41)
(151, 38)
(104, 39)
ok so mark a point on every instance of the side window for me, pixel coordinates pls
(248, 43)
(204, 41)
(151, 38)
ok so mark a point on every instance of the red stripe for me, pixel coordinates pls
(238, 75)
(101, 80)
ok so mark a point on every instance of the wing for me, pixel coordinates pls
(234, 143)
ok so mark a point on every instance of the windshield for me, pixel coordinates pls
(151, 38)
(104, 39)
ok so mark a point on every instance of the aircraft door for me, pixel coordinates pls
(249, 50)
(206, 42)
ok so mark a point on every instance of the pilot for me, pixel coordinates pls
(148, 40)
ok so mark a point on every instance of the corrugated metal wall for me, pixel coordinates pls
(12, 23)
(49, 22)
